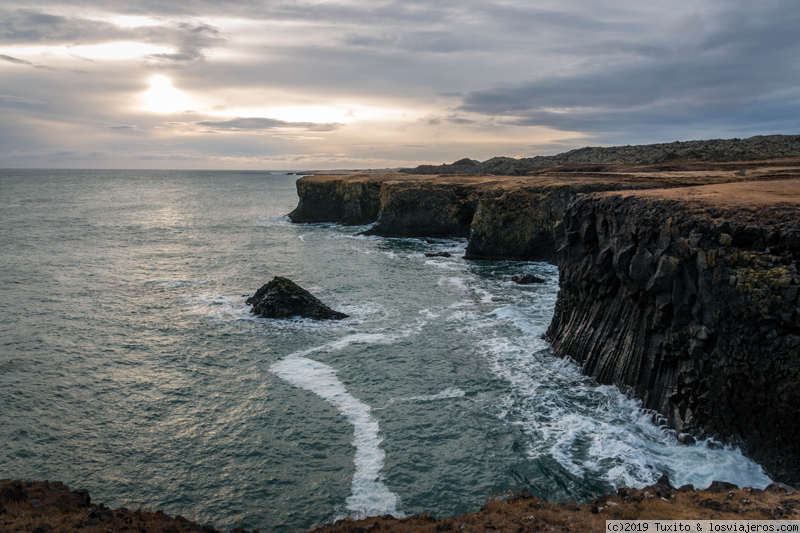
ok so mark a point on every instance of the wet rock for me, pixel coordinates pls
(686, 439)
(438, 254)
(526, 279)
(283, 298)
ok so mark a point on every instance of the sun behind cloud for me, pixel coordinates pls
(163, 97)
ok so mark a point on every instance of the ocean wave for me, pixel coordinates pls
(368, 494)
(594, 431)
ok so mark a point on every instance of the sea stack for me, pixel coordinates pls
(283, 298)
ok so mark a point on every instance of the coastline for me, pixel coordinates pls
(662, 350)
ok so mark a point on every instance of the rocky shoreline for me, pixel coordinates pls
(679, 285)
(51, 507)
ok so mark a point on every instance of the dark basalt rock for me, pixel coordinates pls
(697, 313)
(721, 486)
(82, 498)
(782, 488)
(526, 279)
(438, 254)
(283, 298)
(16, 493)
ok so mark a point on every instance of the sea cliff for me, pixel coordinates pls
(679, 285)
(689, 298)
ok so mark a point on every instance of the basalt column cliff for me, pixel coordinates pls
(690, 298)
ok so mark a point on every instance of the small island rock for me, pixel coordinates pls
(283, 298)
(525, 279)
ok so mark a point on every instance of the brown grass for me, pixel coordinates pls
(519, 513)
(634, 176)
(532, 514)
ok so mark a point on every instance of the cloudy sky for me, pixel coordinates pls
(309, 84)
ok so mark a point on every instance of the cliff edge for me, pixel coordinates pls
(689, 297)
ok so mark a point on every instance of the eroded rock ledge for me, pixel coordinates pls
(504, 217)
(689, 297)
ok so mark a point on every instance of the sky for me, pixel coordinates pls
(323, 84)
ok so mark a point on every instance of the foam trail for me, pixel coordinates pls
(368, 494)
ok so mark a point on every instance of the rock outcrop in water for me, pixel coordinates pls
(283, 298)
(690, 299)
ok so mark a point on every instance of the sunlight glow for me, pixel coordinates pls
(133, 21)
(163, 97)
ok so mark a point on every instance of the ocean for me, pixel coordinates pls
(130, 365)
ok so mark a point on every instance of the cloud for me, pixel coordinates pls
(14, 60)
(431, 80)
(732, 73)
(28, 26)
(18, 99)
(255, 124)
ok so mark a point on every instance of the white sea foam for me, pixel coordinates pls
(594, 430)
(486, 296)
(368, 494)
(444, 265)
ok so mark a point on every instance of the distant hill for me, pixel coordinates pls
(719, 150)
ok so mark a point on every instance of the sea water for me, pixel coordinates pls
(130, 365)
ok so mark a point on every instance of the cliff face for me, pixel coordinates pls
(694, 308)
(505, 217)
(425, 210)
(518, 223)
(350, 202)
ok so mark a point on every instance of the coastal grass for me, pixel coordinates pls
(524, 512)
(52, 508)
